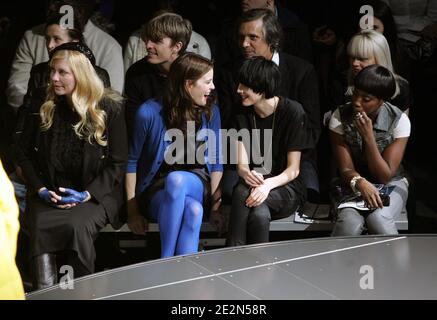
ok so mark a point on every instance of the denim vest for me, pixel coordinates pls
(386, 121)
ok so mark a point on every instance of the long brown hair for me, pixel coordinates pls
(178, 106)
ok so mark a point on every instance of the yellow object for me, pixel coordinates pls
(11, 286)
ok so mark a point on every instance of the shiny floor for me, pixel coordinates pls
(375, 267)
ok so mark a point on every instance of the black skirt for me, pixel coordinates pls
(54, 230)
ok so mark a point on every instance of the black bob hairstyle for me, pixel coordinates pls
(377, 81)
(260, 75)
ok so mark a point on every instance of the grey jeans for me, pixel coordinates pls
(352, 222)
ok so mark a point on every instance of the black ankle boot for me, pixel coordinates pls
(79, 269)
(44, 272)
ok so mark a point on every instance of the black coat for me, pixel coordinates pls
(295, 39)
(143, 82)
(103, 168)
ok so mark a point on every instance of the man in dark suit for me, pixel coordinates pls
(259, 34)
(296, 38)
(167, 36)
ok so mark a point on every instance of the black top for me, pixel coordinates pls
(66, 148)
(290, 133)
(298, 82)
(143, 81)
(263, 124)
(102, 168)
(182, 162)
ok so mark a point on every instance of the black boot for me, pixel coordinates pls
(79, 269)
(44, 271)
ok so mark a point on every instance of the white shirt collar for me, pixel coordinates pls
(275, 58)
(89, 29)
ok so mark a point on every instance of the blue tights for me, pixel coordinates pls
(179, 211)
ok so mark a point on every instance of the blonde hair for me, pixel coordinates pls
(368, 43)
(87, 94)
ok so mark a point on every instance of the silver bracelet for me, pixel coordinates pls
(353, 184)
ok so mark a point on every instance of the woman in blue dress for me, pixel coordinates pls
(174, 167)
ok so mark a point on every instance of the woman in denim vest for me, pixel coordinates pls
(369, 136)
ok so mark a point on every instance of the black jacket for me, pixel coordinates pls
(143, 82)
(103, 168)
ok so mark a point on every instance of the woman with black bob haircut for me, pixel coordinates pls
(268, 159)
(368, 137)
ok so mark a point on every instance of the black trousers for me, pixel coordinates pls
(252, 225)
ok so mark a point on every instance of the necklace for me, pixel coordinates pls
(270, 150)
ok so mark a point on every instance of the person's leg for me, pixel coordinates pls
(308, 172)
(44, 271)
(382, 221)
(349, 223)
(188, 241)
(178, 185)
(229, 181)
(283, 202)
(83, 225)
(258, 224)
(155, 205)
(54, 230)
(20, 192)
(239, 216)
(79, 268)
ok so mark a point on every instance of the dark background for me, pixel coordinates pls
(208, 16)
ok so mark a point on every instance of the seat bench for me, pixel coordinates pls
(285, 224)
(279, 228)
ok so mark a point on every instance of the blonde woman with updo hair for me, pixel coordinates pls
(369, 47)
(73, 152)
